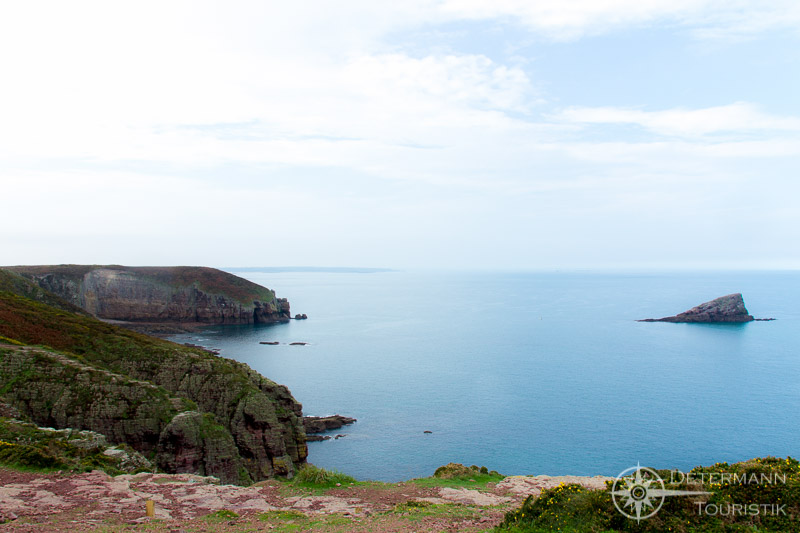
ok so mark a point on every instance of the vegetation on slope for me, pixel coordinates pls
(60, 391)
(25, 446)
(767, 501)
(262, 416)
(14, 283)
(210, 280)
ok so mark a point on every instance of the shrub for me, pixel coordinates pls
(310, 475)
(459, 471)
(573, 508)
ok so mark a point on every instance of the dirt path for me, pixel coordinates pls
(186, 503)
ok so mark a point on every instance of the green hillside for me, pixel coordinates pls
(261, 418)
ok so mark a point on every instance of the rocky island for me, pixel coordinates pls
(725, 309)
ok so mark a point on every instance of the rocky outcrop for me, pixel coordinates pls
(131, 387)
(726, 309)
(55, 390)
(318, 424)
(195, 443)
(161, 294)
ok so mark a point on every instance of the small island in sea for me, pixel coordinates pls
(140, 430)
(728, 309)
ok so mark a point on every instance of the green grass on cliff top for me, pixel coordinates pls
(456, 475)
(207, 279)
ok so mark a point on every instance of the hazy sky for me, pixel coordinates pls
(451, 133)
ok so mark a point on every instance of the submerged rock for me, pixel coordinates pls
(725, 309)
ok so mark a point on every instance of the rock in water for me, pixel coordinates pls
(728, 309)
(318, 424)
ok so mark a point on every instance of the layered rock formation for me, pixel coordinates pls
(58, 391)
(186, 408)
(725, 309)
(160, 294)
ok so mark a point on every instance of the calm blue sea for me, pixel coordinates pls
(531, 373)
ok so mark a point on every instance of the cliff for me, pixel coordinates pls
(725, 309)
(160, 294)
(28, 446)
(189, 410)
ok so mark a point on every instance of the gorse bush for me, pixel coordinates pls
(565, 508)
(760, 495)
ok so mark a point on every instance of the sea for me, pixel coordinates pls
(530, 372)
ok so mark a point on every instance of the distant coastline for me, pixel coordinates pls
(335, 270)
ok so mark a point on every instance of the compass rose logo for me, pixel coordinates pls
(638, 492)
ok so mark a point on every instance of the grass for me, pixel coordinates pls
(281, 515)
(223, 515)
(455, 475)
(477, 481)
(415, 510)
(297, 521)
(311, 476)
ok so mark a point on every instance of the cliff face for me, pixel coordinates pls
(728, 308)
(160, 294)
(189, 410)
(58, 391)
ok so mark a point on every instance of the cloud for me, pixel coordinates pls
(738, 118)
(466, 80)
(310, 120)
(572, 19)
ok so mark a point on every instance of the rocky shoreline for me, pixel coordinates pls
(320, 424)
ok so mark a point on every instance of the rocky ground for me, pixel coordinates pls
(33, 502)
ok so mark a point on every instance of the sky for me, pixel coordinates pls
(503, 134)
